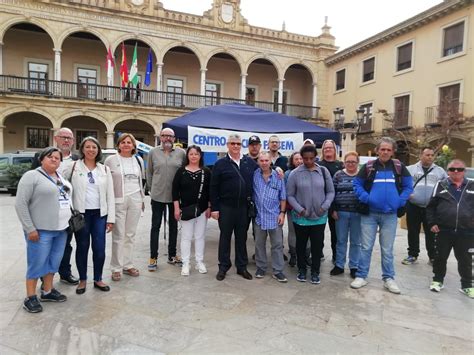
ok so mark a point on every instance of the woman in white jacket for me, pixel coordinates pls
(93, 196)
(127, 174)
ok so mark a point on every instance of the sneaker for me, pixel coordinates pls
(53, 296)
(409, 260)
(280, 277)
(32, 304)
(259, 274)
(175, 260)
(315, 280)
(301, 277)
(391, 285)
(358, 283)
(185, 269)
(152, 265)
(336, 271)
(201, 267)
(436, 286)
(469, 292)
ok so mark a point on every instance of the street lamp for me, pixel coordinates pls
(355, 124)
(338, 118)
(360, 115)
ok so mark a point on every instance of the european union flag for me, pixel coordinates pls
(149, 69)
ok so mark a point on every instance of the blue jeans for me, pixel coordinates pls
(348, 228)
(93, 230)
(44, 256)
(388, 228)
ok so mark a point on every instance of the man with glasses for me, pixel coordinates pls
(64, 140)
(278, 160)
(450, 216)
(231, 194)
(163, 162)
(425, 176)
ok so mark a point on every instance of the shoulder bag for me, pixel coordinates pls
(193, 211)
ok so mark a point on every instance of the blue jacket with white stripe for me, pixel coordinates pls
(383, 196)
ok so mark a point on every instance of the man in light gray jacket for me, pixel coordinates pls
(163, 162)
(425, 176)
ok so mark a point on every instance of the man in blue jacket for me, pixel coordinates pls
(231, 193)
(385, 187)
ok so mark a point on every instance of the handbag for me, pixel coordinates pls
(76, 222)
(192, 211)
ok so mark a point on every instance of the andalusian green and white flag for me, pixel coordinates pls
(133, 73)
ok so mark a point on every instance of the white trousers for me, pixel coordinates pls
(127, 216)
(194, 227)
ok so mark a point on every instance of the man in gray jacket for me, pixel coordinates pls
(163, 162)
(425, 176)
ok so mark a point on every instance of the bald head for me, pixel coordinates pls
(167, 138)
(64, 139)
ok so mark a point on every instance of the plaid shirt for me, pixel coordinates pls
(267, 196)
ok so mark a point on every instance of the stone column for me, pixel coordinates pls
(202, 90)
(348, 140)
(280, 95)
(243, 86)
(1, 58)
(57, 64)
(159, 77)
(2, 148)
(314, 99)
(110, 140)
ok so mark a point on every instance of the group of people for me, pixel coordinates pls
(262, 189)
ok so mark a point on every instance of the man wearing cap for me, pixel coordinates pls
(255, 144)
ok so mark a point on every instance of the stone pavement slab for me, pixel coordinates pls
(163, 312)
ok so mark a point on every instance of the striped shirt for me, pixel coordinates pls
(345, 199)
(267, 196)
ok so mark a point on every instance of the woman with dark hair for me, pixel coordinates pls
(294, 161)
(310, 192)
(192, 206)
(43, 208)
(127, 171)
(93, 196)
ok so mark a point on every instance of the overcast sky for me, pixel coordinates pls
(351, 20)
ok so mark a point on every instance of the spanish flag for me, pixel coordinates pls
(123, 68)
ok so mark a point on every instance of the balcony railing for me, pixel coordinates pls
(400, 120)
(132, 96)
(437, 115)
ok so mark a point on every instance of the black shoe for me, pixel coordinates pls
(245, 274)
(69, 280)
(53, 296)
(220, 276)
(102, 288)
(336, 271)
(80, 291)
(32, 304)
(292, 261)
(353, 273)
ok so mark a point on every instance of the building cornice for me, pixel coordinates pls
(432, 14)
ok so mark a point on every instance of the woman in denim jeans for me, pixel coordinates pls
(93, 196)
(346, 216)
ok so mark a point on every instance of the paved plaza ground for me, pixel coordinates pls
(163, 312)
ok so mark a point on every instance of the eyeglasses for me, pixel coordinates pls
(66, 138)
(235, 143)
(91, 177)
(351, 162)
(274, 142)
(166, 136)
(459, 170)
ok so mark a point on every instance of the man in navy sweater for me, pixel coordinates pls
(385, 190)
(231, 193)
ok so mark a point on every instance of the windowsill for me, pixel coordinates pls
(340, 91)
(404, 71)
(452, 56)
(367, 82)
(366, 132)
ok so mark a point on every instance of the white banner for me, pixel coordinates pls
(215, 140)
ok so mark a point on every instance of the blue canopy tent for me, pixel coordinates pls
(239, 117)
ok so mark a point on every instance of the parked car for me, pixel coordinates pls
(469, 174)
(21, 162)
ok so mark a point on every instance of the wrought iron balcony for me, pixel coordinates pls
(400, 120)
(132, 96)
(449, 113)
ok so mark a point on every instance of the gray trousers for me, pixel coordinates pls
(276, 242)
